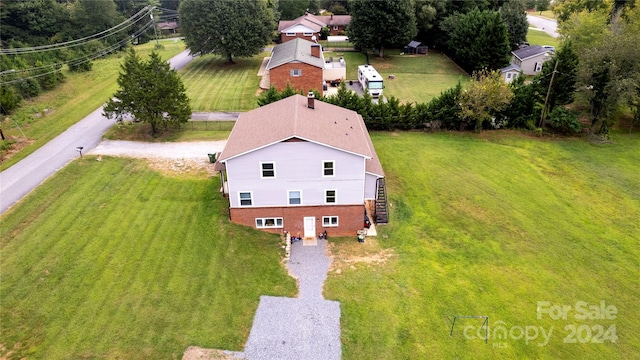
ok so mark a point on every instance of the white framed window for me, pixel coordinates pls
(328, 168)
(329, 221)
(538, 66)
(330, 196)
(245, 198)
(307, 34)
(335, 27)
(265, 223)
(290, 34)
(267, 170)
(508, 75)
(296, 72)
(295, 197)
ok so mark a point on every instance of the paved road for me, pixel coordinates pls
(547, 25)
(21, 178)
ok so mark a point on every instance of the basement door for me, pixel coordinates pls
(309, 227)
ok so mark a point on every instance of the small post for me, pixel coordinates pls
(79, 149)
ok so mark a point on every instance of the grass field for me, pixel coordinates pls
(214, 85)
(111, 260)
(539, 37)
(418, 78)
(70, 102)
(491, 225)
(191, 131)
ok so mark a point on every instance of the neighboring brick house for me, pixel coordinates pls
(530, 58)
(308, 25)
(301, 165)
(300, 63)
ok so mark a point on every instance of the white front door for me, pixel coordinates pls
(310, 227)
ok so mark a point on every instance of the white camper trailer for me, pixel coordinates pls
(370, 80)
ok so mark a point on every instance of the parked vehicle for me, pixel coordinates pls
(370, 80)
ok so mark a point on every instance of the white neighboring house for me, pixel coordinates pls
(510, 73)
(530, 58)
(303, 166)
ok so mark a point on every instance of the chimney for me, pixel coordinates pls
(310, 100)
(331, 16)
(315, 50)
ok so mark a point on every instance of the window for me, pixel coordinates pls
(508, 75)
(296, 72)
(290, 34)
(245, 198)
(538, 66)
(327, 168)
(330, 196)
(295, 197)
(335, 27)
(268, 170)
(262, 223)
(307, 34)
(328, 221)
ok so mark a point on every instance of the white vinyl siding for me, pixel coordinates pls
(295, 197)
(245, 198)
(266, 223)
(299, 166)
(267, 170)
(329, 221)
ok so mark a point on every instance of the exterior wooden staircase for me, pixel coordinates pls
(382, 208)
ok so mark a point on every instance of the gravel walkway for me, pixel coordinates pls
(307, 327)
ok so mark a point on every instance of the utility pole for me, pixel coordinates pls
(546, 100)
(155, 32)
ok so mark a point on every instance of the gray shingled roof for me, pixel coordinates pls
(511, 67)
(529, 52)
(290, 118)
(294, 50)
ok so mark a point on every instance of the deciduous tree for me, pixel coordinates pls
(486, 94)
(150, 92)
(381, 23)
(229, 28)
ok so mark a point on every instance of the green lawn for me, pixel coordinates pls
(491, 224)
(418, 78)
(539, 37)
(112, 260)
(214, 85)
(77, 97)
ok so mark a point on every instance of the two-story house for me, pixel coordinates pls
(530, 59)
(300, 165)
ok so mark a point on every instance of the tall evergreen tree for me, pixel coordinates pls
(515, 19)
(381, 23)
(563, 88)
(230, 28)
(477, 40)
(149, 91)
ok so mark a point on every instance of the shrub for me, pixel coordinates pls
(564, 121)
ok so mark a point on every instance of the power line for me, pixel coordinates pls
(72, 43)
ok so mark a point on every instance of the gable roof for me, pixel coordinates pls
(528, 52)
(291, 118)
(313, 22)
(511, 67)
(294, 50)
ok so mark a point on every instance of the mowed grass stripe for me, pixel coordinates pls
(154, 273)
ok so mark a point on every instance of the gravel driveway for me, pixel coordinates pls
(168, 150)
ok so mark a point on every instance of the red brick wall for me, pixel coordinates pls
(284, 38)
(350, 218)
(311, 77)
